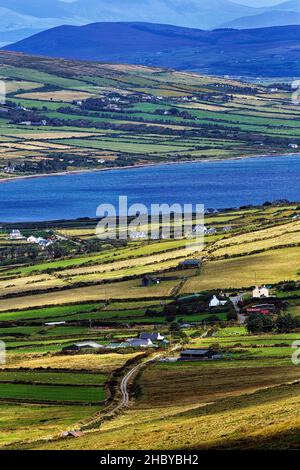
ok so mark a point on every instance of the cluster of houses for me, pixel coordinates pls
(114, 101)
(15, 234)
(202, 229)
(42, 242)
(262, 303)
(9, 169)
(145, 340)
(43, 122)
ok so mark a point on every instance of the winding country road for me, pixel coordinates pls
(126, 379)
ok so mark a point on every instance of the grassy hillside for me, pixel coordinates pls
(231, 404)
(100, 296)
(64, 115)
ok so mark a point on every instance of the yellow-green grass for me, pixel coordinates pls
(104, 363)
(19, 423)
(25, 284)
(118, 290)
(273, 236)
(292, 238)
(269, 267)
(61, 95)
(256, 408)
(158, 262)
(13, 86)
(136, 270)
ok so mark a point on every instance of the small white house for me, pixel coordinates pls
(32, 239)
(16, 235)
(215, 302)
(260, 292)
(200, 229)
(137, 235)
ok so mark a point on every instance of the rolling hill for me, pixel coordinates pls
(269, 52)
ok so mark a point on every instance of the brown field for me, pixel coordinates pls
(204, 384)
(61, 95)
(14, 86)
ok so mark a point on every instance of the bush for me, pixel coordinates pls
(259, 323)
(286, 323)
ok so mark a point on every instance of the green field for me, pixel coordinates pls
(47, 393)
(114, 291)
(164, 116)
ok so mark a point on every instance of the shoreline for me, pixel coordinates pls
(143, 165)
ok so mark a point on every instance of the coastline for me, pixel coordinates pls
(143, 165)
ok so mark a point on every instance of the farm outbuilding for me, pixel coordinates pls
(190, 263)
(196, 354)
(83, 345)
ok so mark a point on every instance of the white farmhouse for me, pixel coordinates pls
(260, 292)
(16, 235)
(32, 239)
(215, 302)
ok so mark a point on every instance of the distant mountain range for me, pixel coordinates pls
(269, 52)
(21, 18)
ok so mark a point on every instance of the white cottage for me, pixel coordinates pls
(215, 302)
(260, 292)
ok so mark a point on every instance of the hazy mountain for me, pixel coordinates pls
(19, 21)
(268, 18)
(290, 5)
(286, 13)
(267, 51)
(25, 17)
(204, 14)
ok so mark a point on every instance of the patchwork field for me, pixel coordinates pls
(111, 292)
(242, 404)
(84, 116)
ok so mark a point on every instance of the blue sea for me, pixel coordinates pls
(220, 184)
